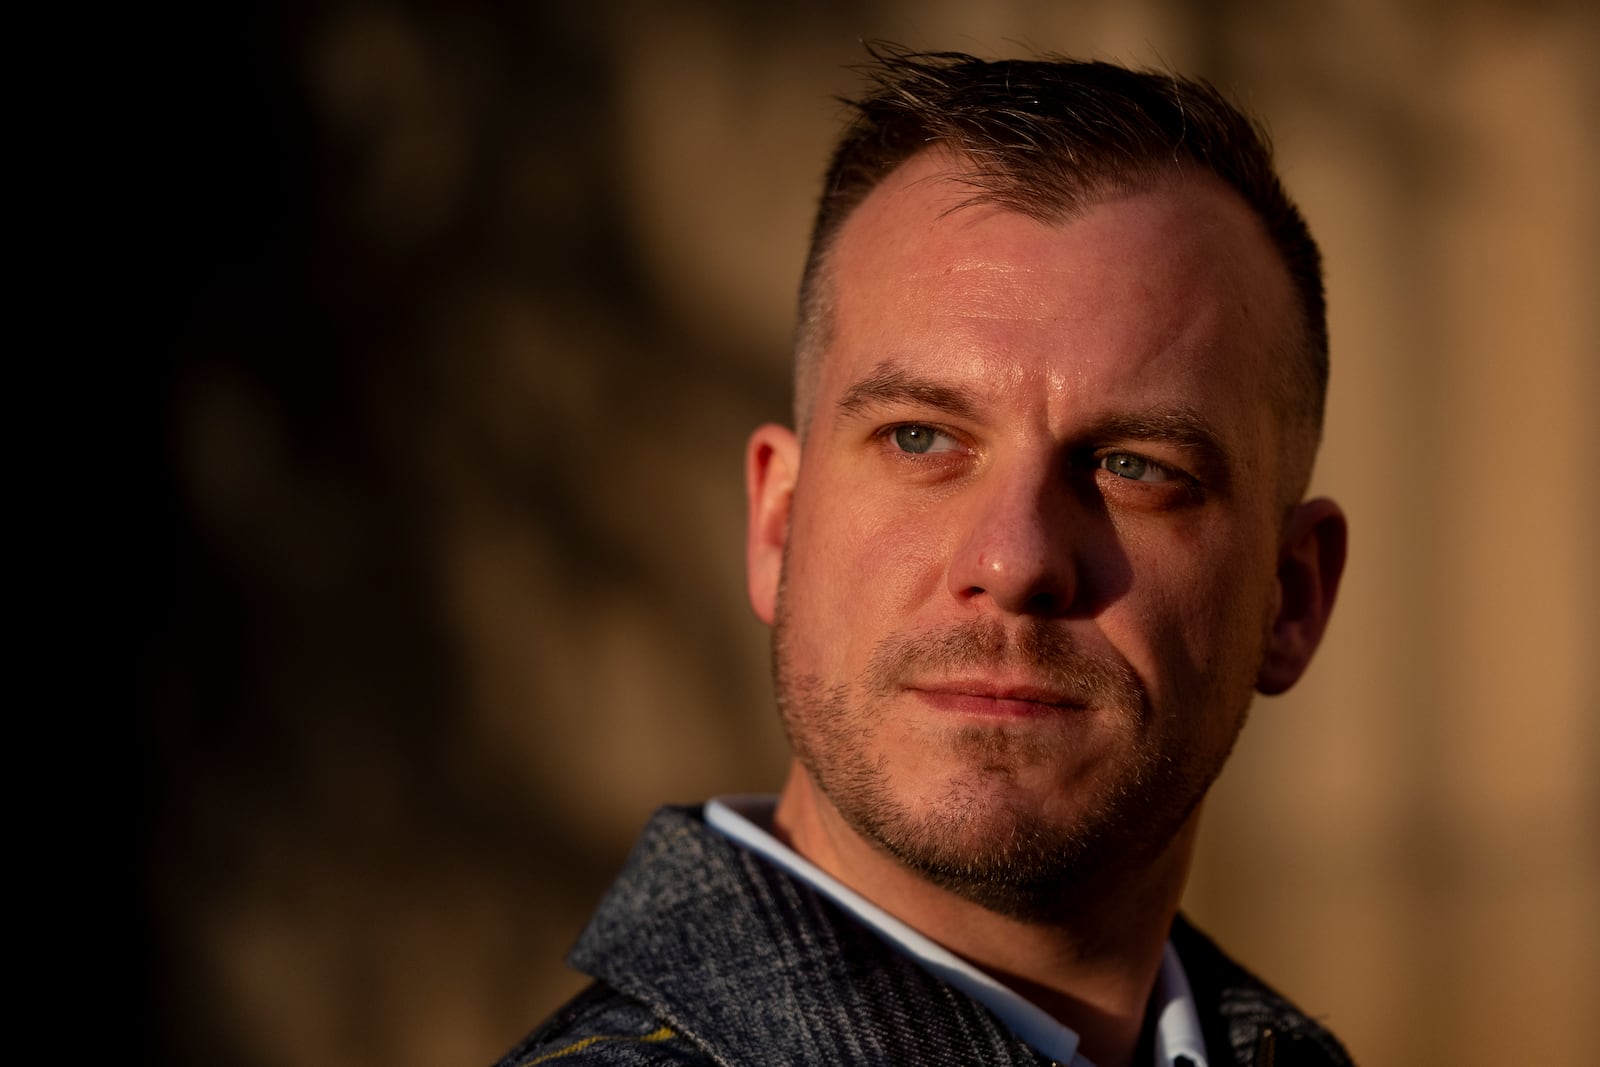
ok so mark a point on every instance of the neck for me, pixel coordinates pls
(1092, 965)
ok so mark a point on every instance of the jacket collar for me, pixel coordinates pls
(757, 967)
(1243, 1016)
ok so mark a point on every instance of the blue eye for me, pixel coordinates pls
(916, 440)
(1135, 468)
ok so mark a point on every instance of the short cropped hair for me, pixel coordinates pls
(1050, 138)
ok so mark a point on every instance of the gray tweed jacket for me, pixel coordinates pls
(703, 953)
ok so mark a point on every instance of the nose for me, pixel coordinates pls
(1017, 549)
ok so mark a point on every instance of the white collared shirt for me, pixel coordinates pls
(745, 819)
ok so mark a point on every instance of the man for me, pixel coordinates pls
(1036, 538)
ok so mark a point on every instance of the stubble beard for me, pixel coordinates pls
(979, 838)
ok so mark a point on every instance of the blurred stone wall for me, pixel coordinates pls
(472, 308)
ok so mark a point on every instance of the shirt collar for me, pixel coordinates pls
(744, 819)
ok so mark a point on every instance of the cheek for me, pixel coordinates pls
(868, 545)
(1191, 621)
(854, 576)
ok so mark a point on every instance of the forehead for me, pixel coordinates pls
(1176, 286)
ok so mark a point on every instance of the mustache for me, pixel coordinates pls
(1044, 656)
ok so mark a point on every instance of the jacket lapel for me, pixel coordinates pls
(756, 967)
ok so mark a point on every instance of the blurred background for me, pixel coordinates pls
(467, 311)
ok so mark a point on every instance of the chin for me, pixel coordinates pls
(1010, 839)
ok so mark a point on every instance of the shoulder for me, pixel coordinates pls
(602, 1028)
(1243, 1015)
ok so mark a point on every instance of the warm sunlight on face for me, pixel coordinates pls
(1031, 555)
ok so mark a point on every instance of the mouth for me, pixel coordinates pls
(996, 700)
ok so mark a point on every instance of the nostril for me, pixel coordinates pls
(1043, 603)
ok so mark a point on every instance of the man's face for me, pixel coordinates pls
(1029, 563)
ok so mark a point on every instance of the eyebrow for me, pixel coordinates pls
(888, 384)
(1179, 427)
(1175, 426)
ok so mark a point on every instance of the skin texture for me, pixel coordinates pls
(1028, 566)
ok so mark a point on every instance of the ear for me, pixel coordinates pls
(1310, 561)
(771, 465)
